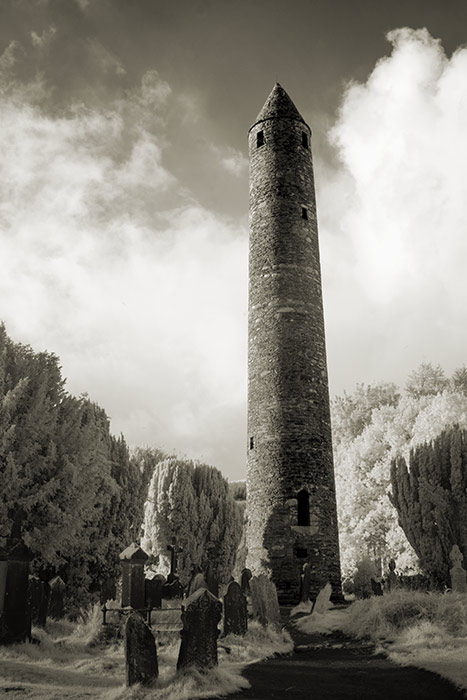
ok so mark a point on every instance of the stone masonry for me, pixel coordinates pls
(290, 476)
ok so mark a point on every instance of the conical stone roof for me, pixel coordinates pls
(278, 106)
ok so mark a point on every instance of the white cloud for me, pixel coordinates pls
(43, 40)
(233, 161)
(114, 266)
(396, 231)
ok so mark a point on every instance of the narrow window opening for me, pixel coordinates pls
(303, 508)
(252, 443)
(259, 139)
(304, 140)
(301, 552)
(304, 213)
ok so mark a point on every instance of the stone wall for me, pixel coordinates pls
(289, 433)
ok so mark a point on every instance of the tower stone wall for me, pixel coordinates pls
(290, 478)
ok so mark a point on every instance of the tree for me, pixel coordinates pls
(65, 479)
(430, 497)
(372, 427)
(189, 504)
(426, 380)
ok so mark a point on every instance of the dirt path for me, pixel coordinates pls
(336, 667)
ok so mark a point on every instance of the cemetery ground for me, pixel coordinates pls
(365, 650)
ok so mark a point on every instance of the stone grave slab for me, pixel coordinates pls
(140, 652)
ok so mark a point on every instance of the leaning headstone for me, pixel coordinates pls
(201, 613)
(305, 582)
(321, 604)
(140, 652)
(264, 600)
(57, 597)
(38, 599)
(458, 574)
(245, 579)
(197, 581)
(211, 579)
(235, 611)
(15, 622)
(133, 559)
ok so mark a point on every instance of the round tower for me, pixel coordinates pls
(291, 499)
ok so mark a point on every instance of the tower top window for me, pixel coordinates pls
(305, 142)
(259, 139)
(304, 213)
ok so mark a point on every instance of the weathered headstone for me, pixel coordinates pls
(321, 604)
(140, 652)
(245, 579)
(197, 581)
(305, 582)
(3, 571)
(153, 589)
(38, 599)
(235, 611)
(172, 589)
(457, 572)
(376, 587)
(211, 579)
(15, 618)
(264, 600)
(201, 613)
(391, 581)
(108, 589)
(133, 559)
(57, 597)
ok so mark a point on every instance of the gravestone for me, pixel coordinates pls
(264, 600)
(235, 611)
(133, 559)
(211, 580)
(38, 599)
(201, 613)
(140, 652)
(57, 597)
(172, 589)
(245, 579)
(153, 584)
(376, 587)
(305, 582)
(108, 590)
(458, 574)
(15, 617)
(391, 581)
(321, 604)
(3, 571)
(197, 581)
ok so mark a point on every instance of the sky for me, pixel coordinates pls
(124, 195)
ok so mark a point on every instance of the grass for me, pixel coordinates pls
(72, 663)
(425, 630)
(385, 617)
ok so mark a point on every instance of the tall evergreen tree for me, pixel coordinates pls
(68, 482)
(190, 504)
(430, 495)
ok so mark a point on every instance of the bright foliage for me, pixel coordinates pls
(65, 479)
(190, 504)
(371, 427)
